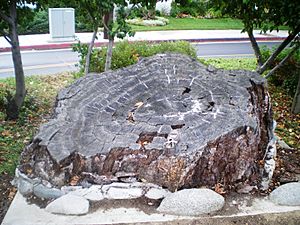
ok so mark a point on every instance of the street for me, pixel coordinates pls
(55, 61)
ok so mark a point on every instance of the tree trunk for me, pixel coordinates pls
(296, 102)
(108, 18)
(16, 102)
(109, 54)
(255, 48)
(89, 53)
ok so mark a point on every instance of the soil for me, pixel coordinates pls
(7, 193)
(287, 170)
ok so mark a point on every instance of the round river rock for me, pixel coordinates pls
(192, 202)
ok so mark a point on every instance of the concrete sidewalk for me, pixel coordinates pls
(43, 41)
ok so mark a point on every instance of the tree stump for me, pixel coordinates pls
(167, 120)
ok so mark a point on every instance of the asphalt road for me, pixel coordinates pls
(55, 61)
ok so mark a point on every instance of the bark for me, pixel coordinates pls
(106, 21)
(88, 56)
(296, 102)
(109, 54)
(285, 43)
(255, 48)
(16, 102)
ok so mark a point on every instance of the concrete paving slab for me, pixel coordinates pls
(20, 212)
(260, 212)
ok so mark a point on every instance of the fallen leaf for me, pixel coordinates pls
(138, 104)
(74, 180)
(219, 189)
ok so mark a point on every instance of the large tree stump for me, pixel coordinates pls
(168, 120)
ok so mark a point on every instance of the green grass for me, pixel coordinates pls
(231, 63)
(195, 24)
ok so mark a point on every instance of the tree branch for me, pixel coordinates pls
(6, 36)
(270, 60)
(255, 48)
(6, 18)
(294, 49)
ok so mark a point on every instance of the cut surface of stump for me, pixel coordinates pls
(167, 120)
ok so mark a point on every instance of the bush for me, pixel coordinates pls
(38, 25)
(287, 75)
(125, 53)
(194, 8)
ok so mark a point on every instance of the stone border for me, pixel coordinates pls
(45, 191)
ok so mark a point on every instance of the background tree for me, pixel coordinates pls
(266, 15)
(12, 13)
(118, 28)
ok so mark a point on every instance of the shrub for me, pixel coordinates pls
(38, 25)
(287, 75)
(125, 53)
(194, 8)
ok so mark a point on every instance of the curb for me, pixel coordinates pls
(99, 44)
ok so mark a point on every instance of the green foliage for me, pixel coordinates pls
(144, 9)
(231, 63)
(125, 53)
(266, 15)
(287, 75)
(38, 25)
(195, 24)
(194, 8)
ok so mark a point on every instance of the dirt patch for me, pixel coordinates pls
(7, 193)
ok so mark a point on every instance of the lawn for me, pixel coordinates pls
(195, 24)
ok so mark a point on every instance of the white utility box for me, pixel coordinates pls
(62, 24)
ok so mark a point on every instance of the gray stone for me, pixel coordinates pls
(42, 191)
(157, 193)
(123, 193)
(191, 202)
(287, 194)
(68, 189)
(25, 187)
(94, 193)
(69, 205)
(177, 124)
